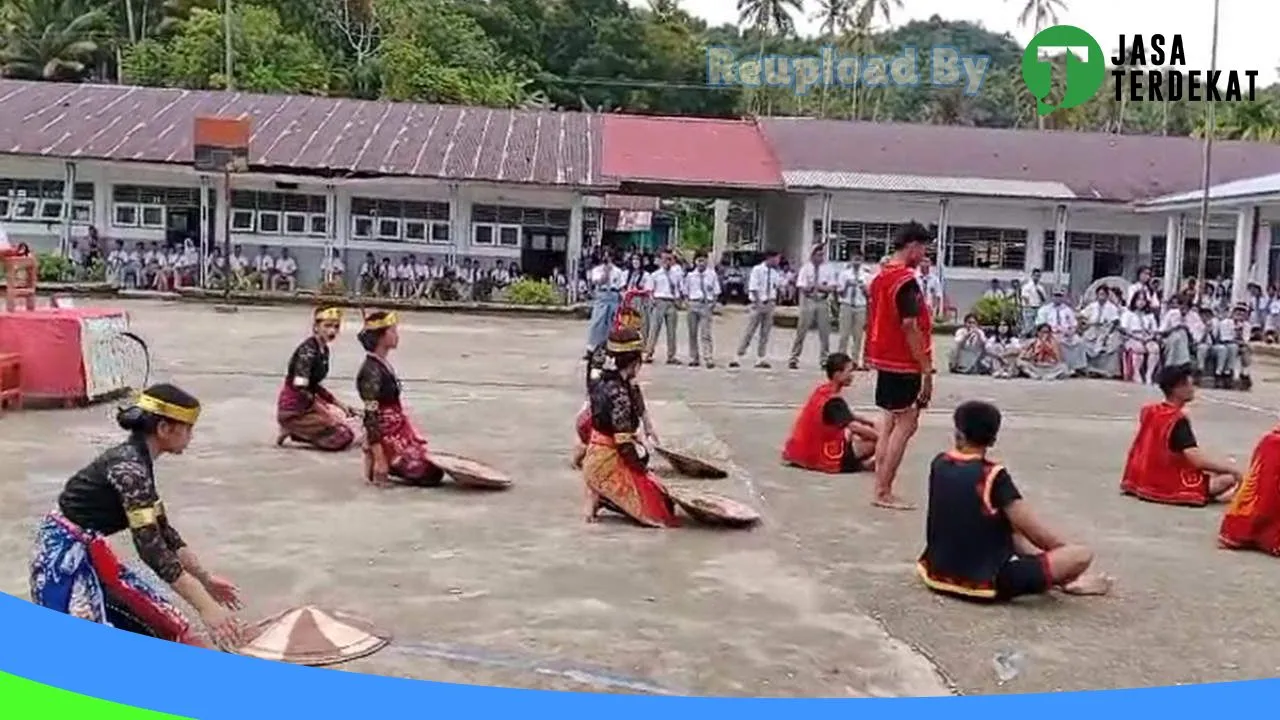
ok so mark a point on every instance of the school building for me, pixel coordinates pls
(535, 187)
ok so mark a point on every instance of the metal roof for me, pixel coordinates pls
(1095, 166)
(871, 182)
(1264, 187)
(304, 134)
(677, 151)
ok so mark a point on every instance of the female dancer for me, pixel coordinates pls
(393, 447)
(305, 409)
(75, 571)
(615, 467)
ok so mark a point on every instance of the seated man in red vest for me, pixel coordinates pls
(1252, 521)
(982, 540)
(827, 436)
(1165, 463)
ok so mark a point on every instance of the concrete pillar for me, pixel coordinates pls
(221, 221)
(103, 215)
(944, 226)
(68, 197)
(574, 248)
(330, 233)
(1060, 278)
(1261, 272)
(1172, 253)
(719, 230)
(824, 234)
(1243, 251)
(205, 240)
(459, 221)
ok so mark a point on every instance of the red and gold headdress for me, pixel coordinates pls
(327, 314)
(381, 323)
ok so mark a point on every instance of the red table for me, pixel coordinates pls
(66, 352)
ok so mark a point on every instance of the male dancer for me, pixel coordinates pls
(900, 348)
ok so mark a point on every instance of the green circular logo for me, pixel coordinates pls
(1086, 67)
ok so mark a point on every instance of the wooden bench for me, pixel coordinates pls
(10, 381)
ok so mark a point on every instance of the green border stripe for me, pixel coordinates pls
(34, 701)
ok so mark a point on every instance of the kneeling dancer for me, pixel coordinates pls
(393, 446)
(982, 540)
(305, 409)
(1165, 463)
(827, 436)
(1252, 521)
(616, 466)
(74, 570)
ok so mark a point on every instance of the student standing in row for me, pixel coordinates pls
(852, 286)
(815, 283)
(762, 292)
(701, 288)
(664, 286)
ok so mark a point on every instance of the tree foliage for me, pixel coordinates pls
(611, 55)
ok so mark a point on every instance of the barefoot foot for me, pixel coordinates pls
(1089, 584)
(892, 502)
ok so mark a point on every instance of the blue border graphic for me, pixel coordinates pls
(100, 662)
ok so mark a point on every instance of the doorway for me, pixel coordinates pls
(1107, 264)
(181, 224)
(544, 250)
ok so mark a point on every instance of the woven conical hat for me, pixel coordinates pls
(687, 464)
(311, 636)
(469, 472)
(713, 509)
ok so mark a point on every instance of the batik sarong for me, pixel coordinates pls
(636, 493)
(313, 421)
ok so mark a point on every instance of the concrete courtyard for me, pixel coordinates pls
(514, 589)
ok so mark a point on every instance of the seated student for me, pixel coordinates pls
(1252, 521)
(1165, 463)
(827, 436)
(968, 354)
(982, 539)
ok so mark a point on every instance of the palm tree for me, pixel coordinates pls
(1042, 14)
(664, 10)
(833, 18)
(766, 18)
(864, 14)
(51, 40)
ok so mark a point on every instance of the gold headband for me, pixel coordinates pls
(156, 406)
(381, 323)
(624, 347)
(333, 314)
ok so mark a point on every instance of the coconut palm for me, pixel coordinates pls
(833, 18)
(1041, 14)
(768, 18)
(51, 40)
(863, 14)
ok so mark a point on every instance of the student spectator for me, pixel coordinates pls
(264, 267)
(286, 273)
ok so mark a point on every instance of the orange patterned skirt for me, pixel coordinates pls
(635, 493)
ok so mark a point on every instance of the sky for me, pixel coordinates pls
(1245, 34)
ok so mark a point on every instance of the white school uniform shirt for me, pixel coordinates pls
(1173, 318)
(287, 266)
(930, 286)
(333, 265)
(1034, 294)
(150, 257)
(403, 271)
(423, 271)
(996, 347)
(239, 262)
(664, 283)
(117, 258)
(852, 286)
(1140, 324)
(1096, 313)
(190, 258)
(1059, 317)
(1273, 312)
(700, 285)
(608, 277)
(264, 263)
(1231, 331)
(811, 277)
(132, 257)
(974, 335)
(763, 284)
(1196, 326)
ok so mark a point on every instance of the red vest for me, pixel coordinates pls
(887, 347)
(814, 445)
(1154, 472)
(1253, 518)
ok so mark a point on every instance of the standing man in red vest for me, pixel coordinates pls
(900, 349)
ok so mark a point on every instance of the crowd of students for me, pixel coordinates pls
(1120, 333)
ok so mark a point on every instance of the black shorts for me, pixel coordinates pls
(850, 462)
(897, 391)
(1023, 575)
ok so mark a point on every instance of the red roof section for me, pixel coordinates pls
(687, 151)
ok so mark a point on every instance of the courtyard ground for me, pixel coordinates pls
(514, 589)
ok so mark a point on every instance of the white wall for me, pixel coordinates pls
(309, 250)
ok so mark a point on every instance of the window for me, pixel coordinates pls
(1096, 242)
(24, 209)
(268, 222)
(5, 206)
(483, 234)
(415, 230)
(242, 221)
(362, 227)
(870, 240)
(295, 223)
(509, 235)
(388, 228)
(152, 216)
(124, 215)
(51, 210)
(440, 233)
(318, 224)
(82, 212)
(988, 248)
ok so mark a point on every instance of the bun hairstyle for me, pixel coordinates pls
(369, 338)
(138, 419)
